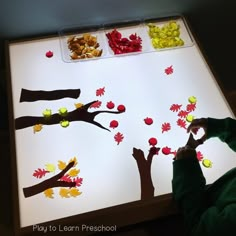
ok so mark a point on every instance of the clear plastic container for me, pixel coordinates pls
(82, 43)
(129, 32)
(168, 37)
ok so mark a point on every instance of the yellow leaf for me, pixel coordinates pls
(61, 165)
(50, 167)
(73, 172)
(37, 127)
(74, 192)
(79, 105)
(49, 193)
(64, 192)
(74, 160)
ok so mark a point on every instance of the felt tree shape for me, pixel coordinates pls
(144, 167)
(62, 117)
(67, 180)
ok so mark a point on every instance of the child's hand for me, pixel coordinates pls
(199, 123)
(185, 152)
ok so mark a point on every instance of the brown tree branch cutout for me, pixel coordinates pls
(50, 183)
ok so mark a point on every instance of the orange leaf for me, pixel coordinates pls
(74, 160)
(61, 165)
(64, 192)
(74, 192)
(49, 193)
(73, 172)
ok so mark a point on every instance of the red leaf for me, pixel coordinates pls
(96, 104)
(181, 123)
(191, 107)
(175, 107)
(39, 173)
(118, 137)
(199, 156)
(182, 114)
(169, 70)
(66, 178)
(100, 91)
(78, 181)
(165, 127)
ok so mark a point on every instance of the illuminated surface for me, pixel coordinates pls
(109, 171)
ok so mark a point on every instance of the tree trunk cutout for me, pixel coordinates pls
(144, 167)
(50, 183)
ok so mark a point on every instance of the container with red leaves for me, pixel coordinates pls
(124, 39)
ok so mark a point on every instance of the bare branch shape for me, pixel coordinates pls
(52, 182)
(80, 114)
(36, 95)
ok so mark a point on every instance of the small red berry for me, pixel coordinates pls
(49, 54)
(152, 141)
(110, 105)
(166, 150)
(148, 121)
(121, 108)
(114, 124)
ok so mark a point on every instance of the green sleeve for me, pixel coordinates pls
(188, 186)
(224, 129)
(217, 222)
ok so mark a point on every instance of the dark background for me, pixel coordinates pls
(212, 21)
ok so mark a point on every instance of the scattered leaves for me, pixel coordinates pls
(78, 181)
(73, 172)
(165, 127)
(66, 178)
(175, 107)
(79, 105)
(181, 123)
(39, 173)
(183, 114)
(100, 91)
(118, 137)
(37, 127)
(191, 107)
(64, 192)
(96, 104)
(50, 167)
(49, 193)
(74, 192)
(169, 70)
(61, 165)
(74, 159)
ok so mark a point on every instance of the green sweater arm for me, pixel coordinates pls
(224, 129)
(188, 187)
